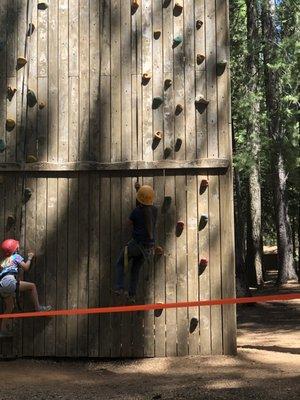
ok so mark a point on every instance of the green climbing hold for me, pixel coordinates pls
(31, 98)
(176, 41)
(2, 145)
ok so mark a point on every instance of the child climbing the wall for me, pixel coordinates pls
(140, 248)
(10, 267)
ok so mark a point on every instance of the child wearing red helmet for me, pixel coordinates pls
(10, 267)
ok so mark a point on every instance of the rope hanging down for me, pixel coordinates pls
(157, 306)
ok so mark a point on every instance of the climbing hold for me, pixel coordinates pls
(157, 101)
(167, 203)
(201, 103)
(176, 41)
(167, 152)
(31, 159)
(21, 61)
(203, 185)
(178, 109)
(199, 23)
(200, 58)
(158, 311)
(179, 228)
(134, 6)
(168, 83)
(42, 6)
(166, 3)
(42, 105)
(27, 194)
(137, 185)
(177, 10)
(203, 221)
(10, 93)
(193, 324)
(202, 265)
(221, 65)
(158, 251)
(145, 79)
(156, 34)
(2, 45)
(178, 144)
(10, 221)
(31, 98)
(31, 29)
(10, 124)
(2, 145)
(156, 139)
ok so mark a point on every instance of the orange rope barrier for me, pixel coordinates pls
(148, 307)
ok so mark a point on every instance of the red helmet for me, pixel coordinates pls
(9, 246)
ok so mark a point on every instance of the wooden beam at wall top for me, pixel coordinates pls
(203, 163)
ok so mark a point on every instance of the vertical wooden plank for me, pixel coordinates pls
(62, 262)
(94, 79)
(73, 276)
(30, 221)
(3, 84)
(226, 189)
(213, 196)
(84, 111)
(192, 250)
(55, 65)
(63, 80)
(82, 263)
(73, 74)
(40, 261)
(51, 271)
(105, 266)
(93, 265)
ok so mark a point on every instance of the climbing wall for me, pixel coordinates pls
(95, 96)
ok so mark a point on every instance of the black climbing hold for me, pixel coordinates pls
(21, 61)
(202, 266)
(145, 79)
(156, 139)
(178, 109)
(201, 103)
(10, 93)
(2, 145)
(42, 6)
(158, 311)
(10, 222)
(31, 29)
(200, 58)
(2, 45)
(31, 98)
(167, 84)
(178, 144)
(177, 10)
(203, 185)
(156, 34)
(203, 221)
(167, 203)
(166, 3)
(158, 251)
(221, 65)
(179, 228)
(157, 101)
(167, 152)
(27, 194)
(193, 324)
(199, 23)
(137, 186)
(134, 6)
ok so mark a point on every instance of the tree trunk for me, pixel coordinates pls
(254, 233)
(284, 233)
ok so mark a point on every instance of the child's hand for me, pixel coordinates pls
(30, 255)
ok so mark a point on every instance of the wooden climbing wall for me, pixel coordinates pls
(80, 150)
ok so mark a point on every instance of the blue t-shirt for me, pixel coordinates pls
(10, 265)
(140, 233)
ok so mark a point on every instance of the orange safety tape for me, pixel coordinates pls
(148, 307)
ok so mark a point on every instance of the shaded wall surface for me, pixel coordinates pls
(82, 145)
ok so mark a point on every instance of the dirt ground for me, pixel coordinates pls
(267, 367)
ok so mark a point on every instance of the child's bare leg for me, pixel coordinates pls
(30, 287)
(9, 306)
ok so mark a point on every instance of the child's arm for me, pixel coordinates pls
(26, 265)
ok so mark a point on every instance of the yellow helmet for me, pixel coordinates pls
(145, 195)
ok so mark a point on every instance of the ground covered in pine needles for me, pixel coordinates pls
(267, 367)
